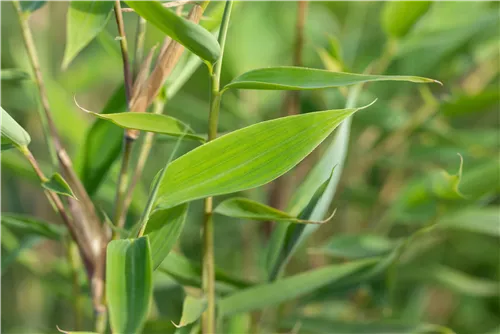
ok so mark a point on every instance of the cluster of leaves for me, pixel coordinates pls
(384, 275)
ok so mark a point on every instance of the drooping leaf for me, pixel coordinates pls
(187, 33)
(477, 220)
(129, 283)
(85, 19)
(31, 6)
(13, 74)
(398, 17)
(191, 310)
(102, 144)
(12, 132)
(302, 78)
(446, 186)
(464, 284)
(357, 246)
(239, 207)
(156, 123)
(32, 226)
(269, 294)
(57, 184)
(234, 162)
(163, 229)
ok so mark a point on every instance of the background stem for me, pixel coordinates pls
(208, 273)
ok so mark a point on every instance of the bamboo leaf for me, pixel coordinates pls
(73, 332)
(13, 74)
(129, 284)
(102, 144)
(399, 17)
(464, 284)
(156, 123)
(12, 133)
(57, 184)
(478, 220)
(31, 6)
(192, 309)
(163, 229)
(28, 225)
(269, 294)
(84, 21)
(244, 208)
(192, 36)
(235, 162)
(302, 78)
(357, 246)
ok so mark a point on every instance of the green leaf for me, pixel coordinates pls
(244, 208)
(191, 310)
(13, 74)
(463, 283)
(234, 162)
(57, 184)
(163, 229)
(187, 272)
(269, 294)
(398, 17)
(31, 6)
(85, 19)
(445, 185)
(192, 36)
(129, 284)
(12, 133)
(28, 225)
(478, 220)
(73, 332)
(156, 123)
(102, 144)
(302, 78)
(357, 246)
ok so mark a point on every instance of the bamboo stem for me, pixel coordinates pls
(208, 272)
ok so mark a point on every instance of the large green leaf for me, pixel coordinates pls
(129, 284)
(13, 74)
(163, 229)
(85, 19)
(12, 132)
(102, 144)
(398, 17)
(302, 78)
(246, 158)
(156, 123)
(239, 207)
(269, 294)
(57, 184)
(192, 36)
(478, 220)
(32, 226)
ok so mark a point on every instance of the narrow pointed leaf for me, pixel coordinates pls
(464, 284)
(163, 229)
(192, 36)
(129, 284)
(244, 208)
(102, 144)
(156, 123)
(13, 74)
(11, 132)
(478, 220)
(303, 78)
(57, 184)
(246, 158)
(73, 332)
(192, 309)
(398, 17)
(84, 21)
(32, 226)
(31, 6)
(288, 288)
(357, 246)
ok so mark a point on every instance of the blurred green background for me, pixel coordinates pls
(448, 277)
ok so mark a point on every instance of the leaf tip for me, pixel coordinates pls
(82, 108)
(60, 330)
(368, 105)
